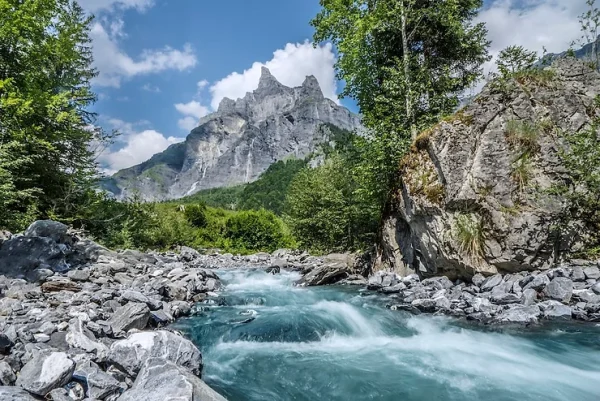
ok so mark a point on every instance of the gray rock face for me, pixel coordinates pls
(130, 353)
(238, 142)
(46, 371)
(160, 380)
(459, 181)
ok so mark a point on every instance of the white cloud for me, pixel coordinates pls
(137, 145)
(533, 24)
(113, 64)
(202, 84)
(94, 6)
(151, 88)
(193, 111)
(289, 65)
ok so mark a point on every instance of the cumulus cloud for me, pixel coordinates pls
(533, 24)
(289, 65)
(193, 111)
(136, 145)
(113, 64)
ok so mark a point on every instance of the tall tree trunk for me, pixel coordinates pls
(407, 78)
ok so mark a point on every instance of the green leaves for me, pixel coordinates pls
(515, 59)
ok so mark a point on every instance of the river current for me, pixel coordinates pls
(265, 340)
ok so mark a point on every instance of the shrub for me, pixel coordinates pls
(523, 135)
(257, 230)
(469, 232)
(196, 215)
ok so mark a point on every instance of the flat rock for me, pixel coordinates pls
(46, 371)
(60, 285)
(131, 353)
(133, 315)
(592, 272)
(520, 314)
(161, 380)
(79, 275)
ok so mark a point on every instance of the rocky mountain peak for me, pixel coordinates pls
(311, 88)
(267, 80)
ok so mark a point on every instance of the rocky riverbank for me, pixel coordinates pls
(74, 319)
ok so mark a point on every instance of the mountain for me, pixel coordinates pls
(238, 142)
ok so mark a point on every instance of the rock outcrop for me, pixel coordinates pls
(476, 192)
(238, 142)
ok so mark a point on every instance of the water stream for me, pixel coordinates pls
(338, 343)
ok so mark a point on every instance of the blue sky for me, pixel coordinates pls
(165, 63)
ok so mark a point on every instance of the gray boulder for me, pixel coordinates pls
(130, 353)
(478, 279)
(80, 337)
(559, 289)
(592, 272)
(161, 380)
(7, 375)
(539, 282)
(97, 383)
(323, 275)
(555, 310)
(46, 371)
(529, 297)
(15, 394)
(49, 229)
(520, 314)
(578, 275)
(491, 282)
(133, 315)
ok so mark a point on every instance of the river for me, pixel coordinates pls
(338, 343)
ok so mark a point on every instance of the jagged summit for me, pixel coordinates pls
(239, 141)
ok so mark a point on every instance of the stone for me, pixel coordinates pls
(587, 296)
(97, 383)
(46, 371)
(49, 229)
(596, 288)
(491, 282)
(529, 297)
(79, 275)
(395, 289)
(80, 337)
(559, 289)
(323, 275)
(506, 298)
(130, 353)
(538, 283)
(577, 274)
(478, 279)
(424, 305)
(161, 380)
(592, 272)
(5, 344)
(555, 310)
(7, 375)
(442, 303)
(520, 314)
(14, 394)
(60, 285)
(133, 315)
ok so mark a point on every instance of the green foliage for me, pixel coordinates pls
(589, 22)
(515, 59)
(325, 210)
(523, 135)
(226, 197)
(522, 171)
(196, 215)
(257, 230)
(45, 135)
(581, 157)
(469, 232)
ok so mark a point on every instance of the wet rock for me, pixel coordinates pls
(559, 289)
(161, 380)
(46, 371)
(424, 305)
(395, 289)
(133, 315)
(323, 275)
(130, 353)
(520, 314)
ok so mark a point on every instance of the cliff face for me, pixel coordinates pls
(476, 192)
(238, 142)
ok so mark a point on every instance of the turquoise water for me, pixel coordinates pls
(337, 343)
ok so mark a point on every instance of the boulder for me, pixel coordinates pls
(577, 274)
(97, 383)
(79, 337)
(5, 344)
(49, 229)
(555, 310)
(478, 279)
(323, 275)
(161, 380)
(79, 275)
(133, 315)
(60, 285)
(538, 283)
(491, 282)
(559, 289)
(15, 394)
(129, 354)
(46, 371)
(592, 272)
(529, 297)
(424, 305)
(7, 375)
(520, 314)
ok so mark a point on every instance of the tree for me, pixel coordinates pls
(405, 62)
(46, 130)
(590, 28)
(514, 59)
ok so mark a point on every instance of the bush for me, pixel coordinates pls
(259, 230)
(196, 215)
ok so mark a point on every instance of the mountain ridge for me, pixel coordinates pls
(237, 142)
